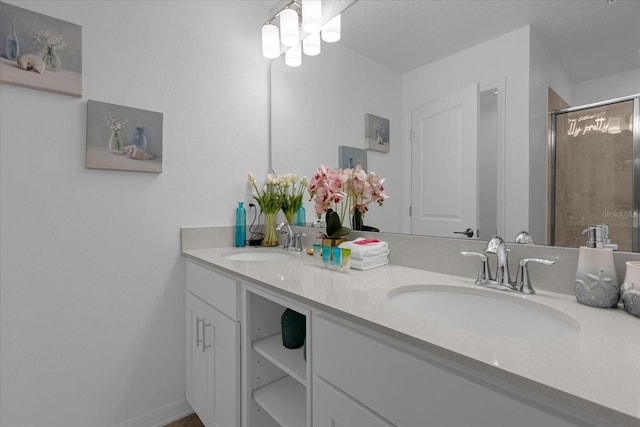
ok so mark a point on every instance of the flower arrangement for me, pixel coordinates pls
(47, 39)
(279, 192)
(342, 194)
(292, 189)
(270, 198)
(270, 202)
(114, 125)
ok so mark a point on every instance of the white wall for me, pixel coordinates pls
(505, 57)
(605, 88)
(545, 72)
(92, 293)
(487, 170)
(338, 86)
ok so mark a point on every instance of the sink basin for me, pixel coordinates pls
(486, 311)
(256, 255)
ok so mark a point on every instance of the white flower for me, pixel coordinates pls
(252, 178)
(46, 38)
(113, 124)
(271, 179)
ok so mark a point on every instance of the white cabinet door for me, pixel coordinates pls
(332, 408)
(213, 364)
(222, 342)
(196, 358)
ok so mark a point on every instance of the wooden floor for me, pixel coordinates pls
(190, 421)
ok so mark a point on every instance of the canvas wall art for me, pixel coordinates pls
(40, 52)
(376, 133)
(123, 138)
(350, 157)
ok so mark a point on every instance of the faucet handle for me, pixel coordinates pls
(484, 274)
(297, 241)
(523, 281)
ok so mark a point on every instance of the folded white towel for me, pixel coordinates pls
(367, 264)
(367, 248)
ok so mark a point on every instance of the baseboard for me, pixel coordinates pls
(162, 416)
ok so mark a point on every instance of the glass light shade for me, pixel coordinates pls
(270, 41)
(312, 16)
(331, 30)
(293, 56)
(311, 44)
(289, 33)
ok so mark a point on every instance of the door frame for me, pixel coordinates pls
(500, 86)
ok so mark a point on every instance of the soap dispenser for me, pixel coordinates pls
(596, 282)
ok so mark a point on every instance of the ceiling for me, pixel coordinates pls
(590, 38)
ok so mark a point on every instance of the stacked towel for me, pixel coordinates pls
(367, 253)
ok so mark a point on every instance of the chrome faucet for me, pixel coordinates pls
(503, 278)
(288, 235)
(498, 247)
(297, 242)
(292, 241)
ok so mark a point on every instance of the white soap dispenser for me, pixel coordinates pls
(596, 279)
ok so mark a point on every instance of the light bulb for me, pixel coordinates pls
(293, 56)
(270, 41)
(289, 33)
(331, 30)
(312, 16)
(311, 44)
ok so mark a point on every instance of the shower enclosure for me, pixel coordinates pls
(595, 172)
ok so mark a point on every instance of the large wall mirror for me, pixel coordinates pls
(413, 62)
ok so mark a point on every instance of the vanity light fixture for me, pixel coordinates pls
(311, 44)
(289, 30)
(293, 56)
(331, 30)
(312, 16)
(270, 41)
(296, 21)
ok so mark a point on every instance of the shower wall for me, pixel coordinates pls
(594, 174)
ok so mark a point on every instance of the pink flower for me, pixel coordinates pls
(352, 189)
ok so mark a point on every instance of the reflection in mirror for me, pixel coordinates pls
(524, 48)
(594, 169)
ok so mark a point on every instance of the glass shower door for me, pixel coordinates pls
(596, 173)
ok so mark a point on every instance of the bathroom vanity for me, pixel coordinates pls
(371, 362)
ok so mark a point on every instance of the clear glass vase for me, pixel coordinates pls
(270, 236)
(290, 216)
(51, 59)
(115, 142)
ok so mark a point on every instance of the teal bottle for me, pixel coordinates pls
(241, 225)
(301, 217)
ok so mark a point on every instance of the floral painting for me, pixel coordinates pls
(123, 138)
(40, 52)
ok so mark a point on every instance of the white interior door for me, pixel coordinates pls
(444, 165)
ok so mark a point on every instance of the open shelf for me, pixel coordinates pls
(291, 361)
(285, 401)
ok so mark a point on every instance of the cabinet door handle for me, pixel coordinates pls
(204, 336)
(199, 339)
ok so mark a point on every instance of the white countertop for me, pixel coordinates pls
(595, 371)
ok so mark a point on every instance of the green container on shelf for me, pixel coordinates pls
(294, 329)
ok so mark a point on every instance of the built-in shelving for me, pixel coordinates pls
(291, 361)
(278, 392)
(285, 401)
